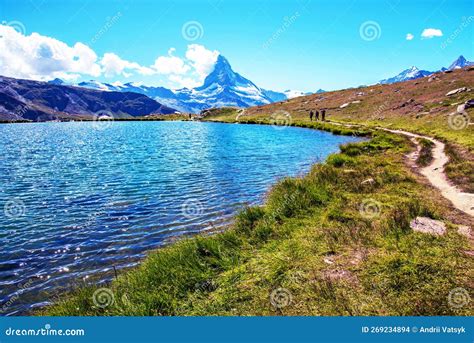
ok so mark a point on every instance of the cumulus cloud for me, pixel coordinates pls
(41, 58)
(188, 71)
(113, 65)
(409, 36)
(170, 64)
(430, 33)
(44, 58)
(201, 59)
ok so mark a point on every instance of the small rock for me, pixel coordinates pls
(464, 230)
(356, 102)
(344, 105)
(456, 91)
(461, 108)
(328, 260)
(428, 225)
(369, 181)
(469, 104)
(339, 274)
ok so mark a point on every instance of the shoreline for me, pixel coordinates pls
(327, 126)
(110, 277)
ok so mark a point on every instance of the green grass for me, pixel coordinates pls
(337, 244)
(460, 168)
(426, 156)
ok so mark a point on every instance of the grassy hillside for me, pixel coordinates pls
(418, 106)
(335, 242)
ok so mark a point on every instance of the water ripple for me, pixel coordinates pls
(93, 200)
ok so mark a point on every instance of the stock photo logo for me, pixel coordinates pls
(460, 119)
(14, 208)
(458, 298)
(192, 30)
(192, 208)
(17, 25)
(281, 298)
(102, 120)
(103, 298)
(370, 208)
(370, 30)
(280, 119)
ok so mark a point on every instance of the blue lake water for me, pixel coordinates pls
(78, 199)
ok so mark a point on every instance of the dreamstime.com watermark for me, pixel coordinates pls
(465, 22)
(459, 120)
(287, 22)
(370, 208)
(280, 298)
(192, 208)
(102, 120)
(17, 25)
(45, 331)
(458, 298)
(109, 22)
(192, 30)
(10, 302)
(103, 297)
(370, 30)
(14, 208)
(280, 119)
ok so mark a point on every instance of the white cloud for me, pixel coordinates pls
(42, 58)
(113, 65)
(189, 71)
(201, 59)
(409, 36)
(187, 82)
(170, 64)
(430, 33)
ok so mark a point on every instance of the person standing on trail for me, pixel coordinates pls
(311, 115)
(317, 115)
(323, 114)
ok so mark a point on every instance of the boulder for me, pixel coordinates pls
(469, 104)
(456, 91)
(428, 225)
(344, 105)
(464, 230)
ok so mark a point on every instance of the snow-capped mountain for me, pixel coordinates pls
(460, 62)
(415, 73)
(408, 74)
(222, 87)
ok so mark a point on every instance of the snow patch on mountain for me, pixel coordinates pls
(408, 74)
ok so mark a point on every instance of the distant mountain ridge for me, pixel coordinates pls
(42, 101)
(221, 88)
(416, 73)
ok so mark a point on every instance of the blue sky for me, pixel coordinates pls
(303, 45)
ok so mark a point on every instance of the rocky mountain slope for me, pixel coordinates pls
(222, 87)
(416, 73)
(41, 101)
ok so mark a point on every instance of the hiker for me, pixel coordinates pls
(317, 115)
(323, 115)
(311, 115)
